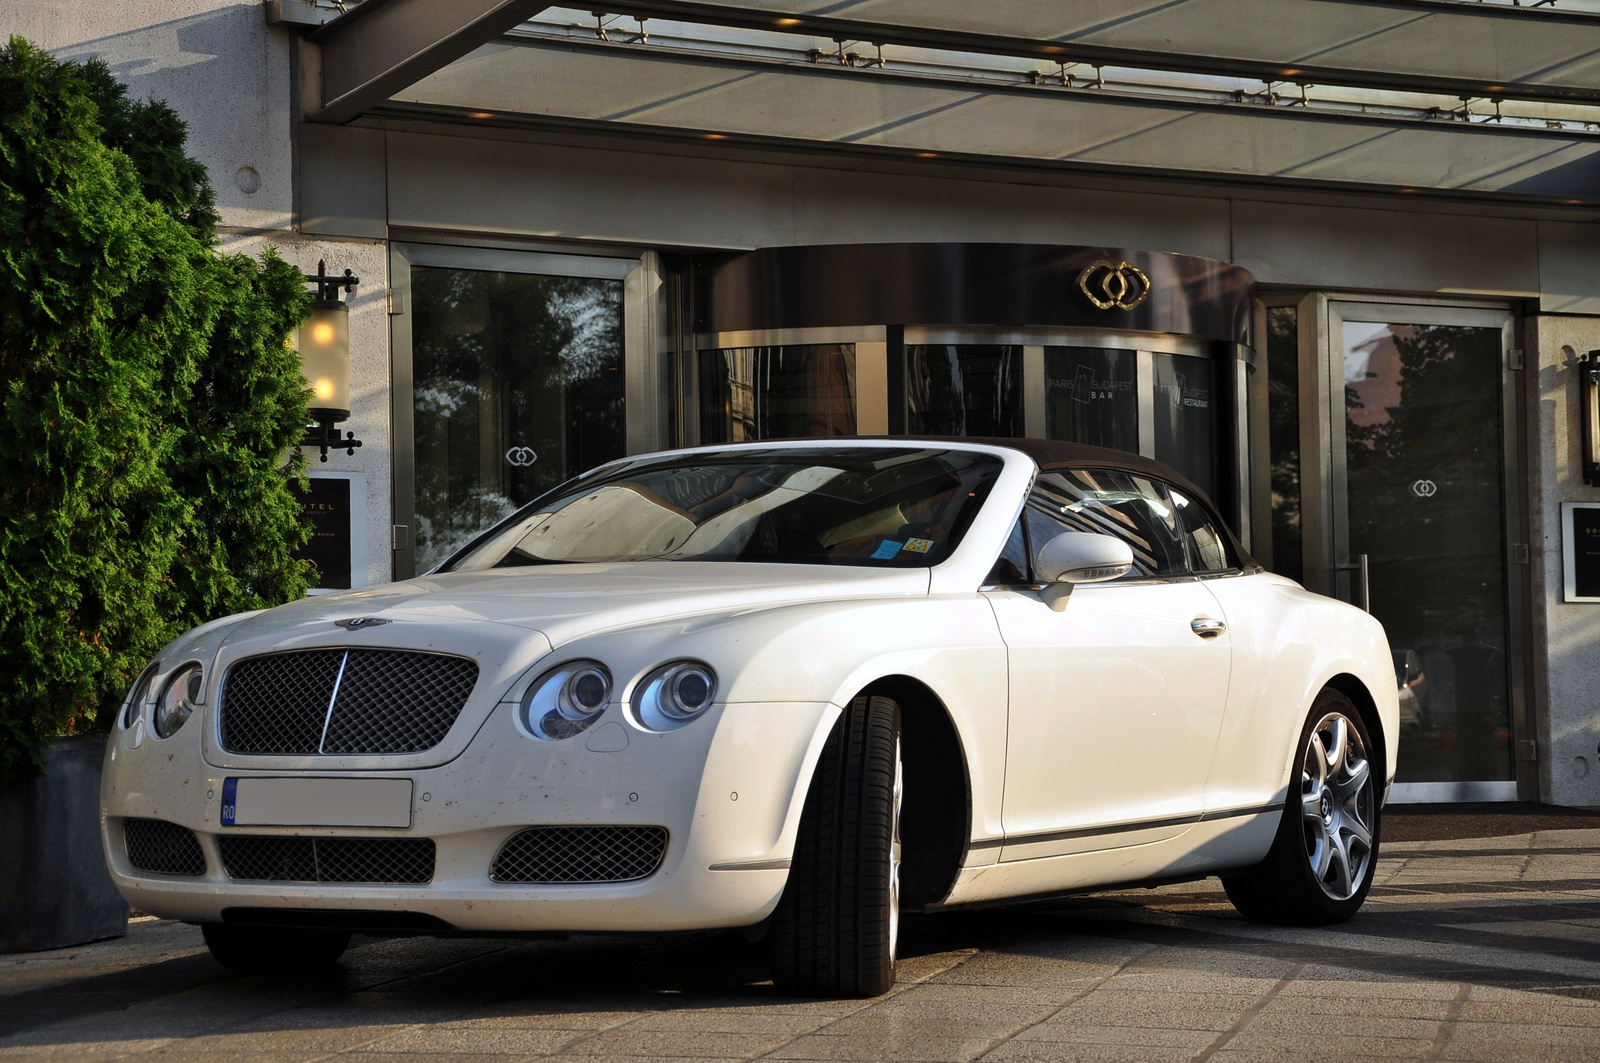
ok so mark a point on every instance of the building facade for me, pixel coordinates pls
(1335, 260)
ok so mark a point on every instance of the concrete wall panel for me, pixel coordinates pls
(220, 66)
(1388, 251)
(1567, 668)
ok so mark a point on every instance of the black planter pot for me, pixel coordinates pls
(54, 887)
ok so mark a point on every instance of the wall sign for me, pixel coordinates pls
(1580, 551)
(336, 503)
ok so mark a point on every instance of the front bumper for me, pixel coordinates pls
(728, 789)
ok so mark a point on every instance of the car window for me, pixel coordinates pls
(1136, 509)
(1012, 564)
(901, 507)
(1208, 550)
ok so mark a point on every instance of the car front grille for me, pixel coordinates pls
(580, 854)
(342, 702)
(275, 858)
(163, 848)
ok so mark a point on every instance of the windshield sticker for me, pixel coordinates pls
(886, 549)
(918, 546)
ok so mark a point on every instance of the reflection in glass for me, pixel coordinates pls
(1283, 438)
(968, 390)
(777, 392)
(894, 508)
(517, 386)
(1422, 450)
(1185, 412)
(1091, 396)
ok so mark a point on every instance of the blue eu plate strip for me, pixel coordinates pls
(230, 801)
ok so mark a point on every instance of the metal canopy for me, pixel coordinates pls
(385, 45)
(630, 87)
(1417, 45)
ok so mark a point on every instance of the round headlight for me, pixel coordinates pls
(178, 699)
(565, 700)
(674, 694)
(141, 690)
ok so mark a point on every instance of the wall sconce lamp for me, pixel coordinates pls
(1589, 414)
(324, 344)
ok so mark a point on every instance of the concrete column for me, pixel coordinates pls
(1566, 636)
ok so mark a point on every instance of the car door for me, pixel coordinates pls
(1115, 700)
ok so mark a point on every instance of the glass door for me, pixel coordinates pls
(1422, 527)
(509, 379)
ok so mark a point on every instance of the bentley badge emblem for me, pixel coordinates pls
(1122, 286)
(356, 623)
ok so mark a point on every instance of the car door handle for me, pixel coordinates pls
(1207, 627)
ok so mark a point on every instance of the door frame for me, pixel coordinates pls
(646, 360)
(1324, 486)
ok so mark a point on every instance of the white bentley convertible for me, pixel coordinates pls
(792, 687)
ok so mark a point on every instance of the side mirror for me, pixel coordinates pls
(1080, 557)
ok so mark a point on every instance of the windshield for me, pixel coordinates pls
(878, 506)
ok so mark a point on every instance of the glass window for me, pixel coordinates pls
(1423, 459)
(899, 508)
(1135, 509)
(969, 390)
(1283, 438)
(793, 392)
(517, 386)
(1091, 396)
(1208, 550)
(1185, 417)
(1012, 564)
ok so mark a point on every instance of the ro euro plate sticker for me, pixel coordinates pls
(886, 549)
(230, 801)
(918, 546)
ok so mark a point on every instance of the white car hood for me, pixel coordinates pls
(508, 619)
(567, 602)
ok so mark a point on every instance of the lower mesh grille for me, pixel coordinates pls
(163, 848)
(580, 854)
(373, 860)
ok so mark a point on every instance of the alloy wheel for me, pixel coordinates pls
(1337, 805)
(894, 853)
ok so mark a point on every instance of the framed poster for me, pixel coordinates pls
(336, 502)
(1580, 551)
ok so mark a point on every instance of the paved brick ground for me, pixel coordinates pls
(1478, 949)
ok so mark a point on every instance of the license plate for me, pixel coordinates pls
(258, 802)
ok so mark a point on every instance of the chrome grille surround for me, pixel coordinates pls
(580, 854)
(161, 848)
(280, 858)
(338, 702)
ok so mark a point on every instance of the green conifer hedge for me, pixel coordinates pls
(149, 398)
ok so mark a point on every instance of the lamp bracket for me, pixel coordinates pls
(328, 287)
(324, 435)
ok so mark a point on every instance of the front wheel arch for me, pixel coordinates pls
(936, 822)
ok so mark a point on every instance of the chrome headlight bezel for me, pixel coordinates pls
(674, 694)
(136, 697)
(180, 696)
(565, 701)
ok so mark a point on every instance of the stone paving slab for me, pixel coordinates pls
(1468, 949)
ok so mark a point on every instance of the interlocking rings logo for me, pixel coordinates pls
(1424, 488)
(521, 457)
(1107, 287)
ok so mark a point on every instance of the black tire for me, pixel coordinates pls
(1285, 889)
(835, 929)
(276, 949)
